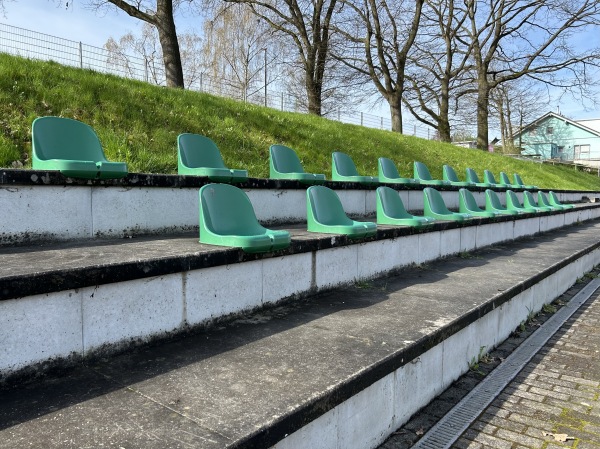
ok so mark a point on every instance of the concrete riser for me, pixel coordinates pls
(369, 417)
(80, 212)
(75, 323)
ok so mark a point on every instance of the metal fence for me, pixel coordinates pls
(33, 45)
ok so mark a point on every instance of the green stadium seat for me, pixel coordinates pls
(343, 169)
(325, 213)
(488, 177)
(391, 211)
(544, 202)
(505, 182)
(468, 205)
(553, 198)
(227, 218)
(285, 164)
(513, 203)
(473, 178)
(493, 204)
(529, 202)
(519, 182)
(434, 206)
(389, 173)
(71, 147)
(451, 176)
(422, 174)
(199, 156)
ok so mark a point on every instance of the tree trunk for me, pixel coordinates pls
(443, 127)
(482, 114)
(167, 35)
(396, 113)
(313, 93)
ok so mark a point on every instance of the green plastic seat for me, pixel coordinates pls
(513, 203)
(71, 147)
(389, 173)
(422, 174)
(434, 206)
(473, 178)
(553, 199)
(489, 178)
(505, 182)
(493, 204)
(343, 169)
(199, 156)
(285, 164)
(391, 211)
(227, 218)
(519, 182)
(468, 205)
(529, 201)
(451, 176)
(543, 201)
(325, 213)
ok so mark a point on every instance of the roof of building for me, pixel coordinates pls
(537, 121)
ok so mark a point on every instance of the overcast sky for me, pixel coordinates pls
(80, 24)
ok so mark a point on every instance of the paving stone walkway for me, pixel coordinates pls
(553, 403)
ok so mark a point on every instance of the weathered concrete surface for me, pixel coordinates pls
(252, 382)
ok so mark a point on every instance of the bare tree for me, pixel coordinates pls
(436, 66)
(386, 33)
(158, 13)
(308, 25)
(510, 39)
(236, 51)
(140, 56)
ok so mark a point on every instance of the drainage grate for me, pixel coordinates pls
(447, 430)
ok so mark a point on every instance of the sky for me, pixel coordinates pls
(82, 24)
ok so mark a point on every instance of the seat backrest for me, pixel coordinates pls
(391, 203)
(343, 164)
(196, 151)
(553, 198)
(450, 174)
(513, 200)
(528, 200)
(285, 160)
(227, 210)
(504, 179)
(518, 180)
(326, 206)
(387, 168)
(493, 199)
(543, 200)
(421, 171)
(65, 138)
(435, 201)
(468, 200)
(472, 176)
(488, 177)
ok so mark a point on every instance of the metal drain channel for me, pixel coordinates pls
(448, 429)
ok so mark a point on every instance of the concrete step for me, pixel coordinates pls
(65, 301)
(340, 369)
(142, 204)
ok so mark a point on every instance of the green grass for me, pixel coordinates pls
(139, 123)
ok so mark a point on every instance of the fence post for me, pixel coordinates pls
(415, 132)
(201, 73)
(146, 69)
(282, 101)
(361, 119)
(381, 122)
(339, 116)
(80, 56)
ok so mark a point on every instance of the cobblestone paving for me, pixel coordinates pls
(553, 403)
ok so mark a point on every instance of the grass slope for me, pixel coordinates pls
(138, 123)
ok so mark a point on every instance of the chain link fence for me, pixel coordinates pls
(33, 45)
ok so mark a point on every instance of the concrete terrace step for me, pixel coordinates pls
(341, 369)
(64, 301)
(157, 204)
